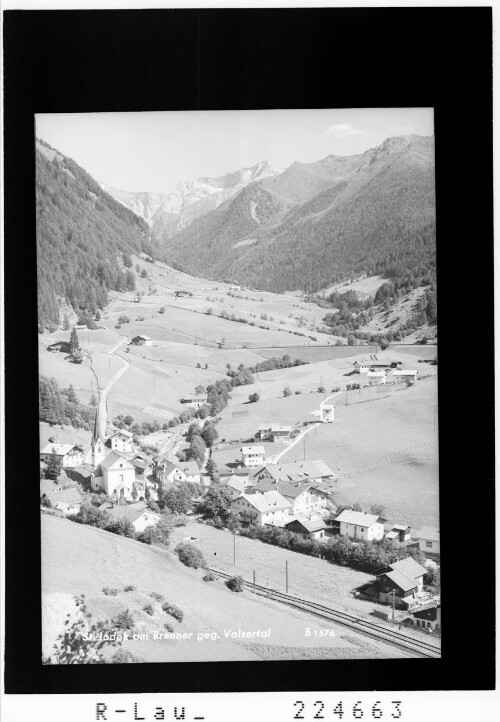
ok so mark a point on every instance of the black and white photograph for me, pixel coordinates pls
(238, 373)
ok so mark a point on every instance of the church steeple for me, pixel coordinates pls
(97, 444)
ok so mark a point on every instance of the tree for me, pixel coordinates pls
(74, 344)
(212, 470)
(287, 391)
(135, 493)
(159, 534)
(194, 430)
(162, 310)
(199, 390)
(93, 400)
(144, 273)
(177, 498)
(122, 527)
(147, 493)
(216, 503)
(66, 323)
(197, 450)
(209, 434)
(378, 509)
(253, 397)
(88, 514)
(71, 396)
(53, 467)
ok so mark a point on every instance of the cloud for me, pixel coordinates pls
(342, 130)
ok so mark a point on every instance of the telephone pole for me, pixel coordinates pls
(286, 574)
(234, 548)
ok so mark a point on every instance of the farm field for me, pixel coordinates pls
(82, 560)
(385, 452)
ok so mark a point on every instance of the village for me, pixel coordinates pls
(117, 473)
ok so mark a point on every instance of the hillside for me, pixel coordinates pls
(83, 238)
(83, 560)
(321, 223)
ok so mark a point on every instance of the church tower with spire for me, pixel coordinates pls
(97, 444)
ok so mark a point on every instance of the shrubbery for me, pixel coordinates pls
(149, 609)
(174, 611)
(236, 584)
(110, 592)
(130, 588)
(190, 555)
(209, 577)
(124, 620)
(157, 596)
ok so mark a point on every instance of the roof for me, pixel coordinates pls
(392, 534)
(404, 372)
(428, 532)
(146, 338)
(310, 525)
(270, 501)
(358, 518)
(112, 458)
(402, 581)
(409, 567)
(60, 449)
(122, 431)
(376, 373)
(237, 483)
(289, 489)
(132, 512)
(299, 470)
(66, 496)
(401, 527)
(253, 450)
(190, 468)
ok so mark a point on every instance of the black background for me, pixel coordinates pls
(83, 61)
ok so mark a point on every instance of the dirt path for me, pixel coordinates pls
(103, 393)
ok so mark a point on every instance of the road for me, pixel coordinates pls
(103, 393)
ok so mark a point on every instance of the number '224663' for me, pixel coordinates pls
(374, 711)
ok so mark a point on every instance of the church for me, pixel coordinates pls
(111, 472)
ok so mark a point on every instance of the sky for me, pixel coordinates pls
(155, 151)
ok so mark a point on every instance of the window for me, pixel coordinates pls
(428, 544)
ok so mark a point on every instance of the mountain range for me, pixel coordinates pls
(315, 224)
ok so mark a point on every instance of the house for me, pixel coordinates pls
(305, 499)
(326, 413)
(168, 472)
(137, 514)
(141, 340)
(261, 509)
(398, 532)
(428, 615)
(428, 541)
(361, 367)
(70, 455)
(308, 528)
(195, 402)
(405, 375)
(252, 455)
(140, 464)
(115, 475)
(376, 378)
(274, 433)
(317, 471)
(121, 440)
(400, 583)
(236, 485)
(53, 496)
(180, 294)
(359, 525)
(239, 471)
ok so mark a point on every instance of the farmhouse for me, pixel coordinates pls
(167, 471)
(121, 440)
(317, 471)
(260, 509)
(428, 616)
(70, 455)
(428, 541)
(359, 525)
(252, 455)
(398, 532)
(307, 528)
(53, 496)
(137, 514)
(63, 346)
(141, 340)
(304, 498)
(326, 413)
(236, 485)
(274, 433)
(195, 402)
(375, 378)
(361, 367)
(403, 581)
(405, 374)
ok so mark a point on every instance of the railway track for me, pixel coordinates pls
(362, 626)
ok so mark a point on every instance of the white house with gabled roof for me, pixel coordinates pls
(260, 509)
(359, 525)
(121, 440)
(70, 455)
(253, 455)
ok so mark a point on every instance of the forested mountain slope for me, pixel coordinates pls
(371, 213)
(83, 237)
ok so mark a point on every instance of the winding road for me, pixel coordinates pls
(103, 393)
